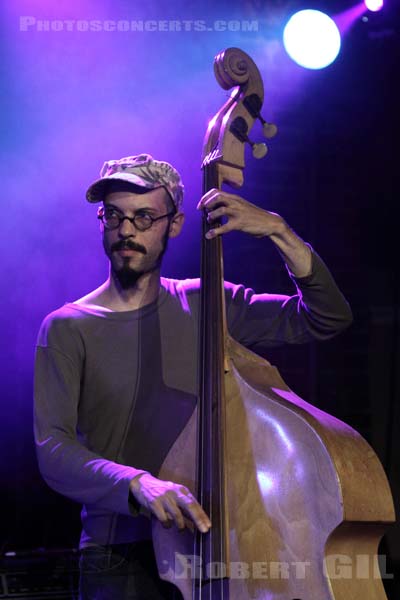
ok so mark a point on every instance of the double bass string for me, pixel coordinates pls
(202, 442)
(209, 548)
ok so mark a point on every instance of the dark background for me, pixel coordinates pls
(72, 100)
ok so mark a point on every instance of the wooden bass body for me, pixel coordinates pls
(307, 498)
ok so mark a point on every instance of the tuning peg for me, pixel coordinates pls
(269, 129)
(239, 129)
(253, 104)
(259, 150)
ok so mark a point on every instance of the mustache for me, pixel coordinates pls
(128, 245)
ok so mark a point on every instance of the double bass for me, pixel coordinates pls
(297, 499)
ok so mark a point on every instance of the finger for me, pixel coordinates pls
(215, 198)
(158, 511)
(207, 196)
(198, 516)
(213, 233)
(191, 508)
(218, 213)
(171, 507)
(224, 199)
(216, 201)
(189, 524)
(167, 524)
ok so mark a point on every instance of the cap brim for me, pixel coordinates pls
(99, 189)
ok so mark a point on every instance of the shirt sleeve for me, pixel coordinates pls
(65, 463)
(317, 311)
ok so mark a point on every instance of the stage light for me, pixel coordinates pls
(373, 5)
(311, 39)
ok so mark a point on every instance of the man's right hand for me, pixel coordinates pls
(169, 502)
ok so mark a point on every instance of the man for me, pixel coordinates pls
(115, 379)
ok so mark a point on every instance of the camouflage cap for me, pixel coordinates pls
(142, 171)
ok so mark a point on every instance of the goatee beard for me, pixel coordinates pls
(127, 278)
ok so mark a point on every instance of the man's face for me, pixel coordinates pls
(131, 252)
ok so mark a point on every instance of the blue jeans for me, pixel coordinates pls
(122, 572)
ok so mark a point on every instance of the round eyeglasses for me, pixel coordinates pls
(112, 219)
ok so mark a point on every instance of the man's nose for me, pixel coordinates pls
(127, 229)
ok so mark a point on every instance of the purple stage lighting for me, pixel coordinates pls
(373, 5)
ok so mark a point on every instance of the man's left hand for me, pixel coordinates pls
(241, 215)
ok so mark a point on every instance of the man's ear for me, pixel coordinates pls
(101, 224)
(176, 225)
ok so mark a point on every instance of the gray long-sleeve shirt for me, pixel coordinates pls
(113, 390)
